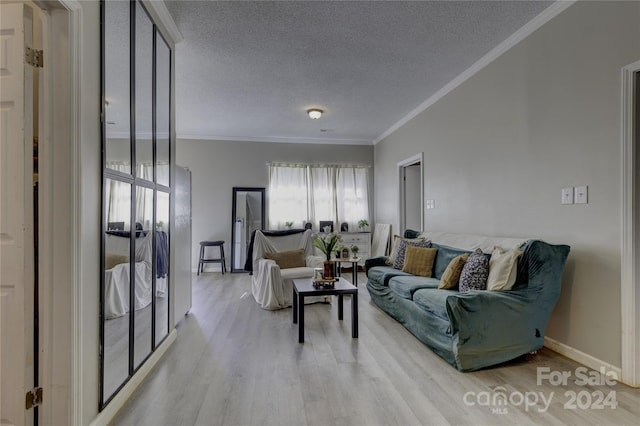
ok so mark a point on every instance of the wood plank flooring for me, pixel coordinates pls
(236, 364)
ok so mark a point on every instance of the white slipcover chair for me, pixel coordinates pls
(272, 287)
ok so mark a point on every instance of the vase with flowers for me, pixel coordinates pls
(326, 244)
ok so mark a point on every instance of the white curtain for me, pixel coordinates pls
(287, 195)
(322, 194)
(352, 195)
(302, 193)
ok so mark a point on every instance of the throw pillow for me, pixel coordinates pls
(113, 259)
(475, 272)
(503, 268)
(451, 276)
(394, 249)
(398, 263)
(288, 259)
(419, 261)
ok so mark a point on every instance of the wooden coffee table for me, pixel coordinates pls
(303, 287)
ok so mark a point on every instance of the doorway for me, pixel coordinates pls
(411, 193)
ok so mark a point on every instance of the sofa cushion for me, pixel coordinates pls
(382, 274)
(434, 301)
(444, 257)
(406, 286)
(475, 272)
(503, 268)
(451, 276)
(398, 263)
(419, 261)
(288, 259)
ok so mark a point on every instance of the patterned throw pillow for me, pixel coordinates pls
(475, 272)
(451, 276)
(402, 249)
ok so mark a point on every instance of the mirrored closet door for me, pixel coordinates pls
(134, 286)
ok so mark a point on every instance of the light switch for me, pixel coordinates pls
(430, 204)
(580, 194)
(567, 195)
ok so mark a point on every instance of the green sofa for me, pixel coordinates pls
(480, 328)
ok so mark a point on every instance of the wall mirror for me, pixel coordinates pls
(247, 216)
(134, 286)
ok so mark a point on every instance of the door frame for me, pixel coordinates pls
(630, 233)
(61, 335)
(413, 160)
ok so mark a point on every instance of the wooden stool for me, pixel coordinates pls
(203, 245)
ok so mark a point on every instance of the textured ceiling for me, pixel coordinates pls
(248, 70)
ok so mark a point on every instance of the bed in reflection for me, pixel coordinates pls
(118, 270)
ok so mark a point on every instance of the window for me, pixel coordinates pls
(301, 193)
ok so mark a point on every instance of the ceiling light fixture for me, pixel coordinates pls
(314, 113)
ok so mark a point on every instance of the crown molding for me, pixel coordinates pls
(161, 11)
(275, 139)
(525, 31)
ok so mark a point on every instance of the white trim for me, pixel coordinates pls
(118, 401)
(160, 8)
(581, 357)
(545, 16)
(629, 280)
(76, 402)
(418, 158)
(275, 139)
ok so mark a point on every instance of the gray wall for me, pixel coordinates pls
(218, 166)
(499, 148)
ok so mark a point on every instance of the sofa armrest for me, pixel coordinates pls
(496, 317)
(374, 261)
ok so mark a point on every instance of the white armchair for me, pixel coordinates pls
(117, 278)
(271, 286)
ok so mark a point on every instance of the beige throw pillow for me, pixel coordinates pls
(113, 259)
(503, 268)
(419, 261)
(451, 276)
(288, 259)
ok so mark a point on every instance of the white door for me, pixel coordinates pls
(16, 207)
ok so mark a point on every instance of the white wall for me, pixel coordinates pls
(218, 166)
(499, 148)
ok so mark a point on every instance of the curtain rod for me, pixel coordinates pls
(275, 164)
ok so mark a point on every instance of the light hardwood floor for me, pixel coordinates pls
(236, 364)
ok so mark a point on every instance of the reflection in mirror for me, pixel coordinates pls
(163, 81)
(248, 216)
(162, 266)
(143, 274)
(144, 96)
(116, 86)
(117, 284)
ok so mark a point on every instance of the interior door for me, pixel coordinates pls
(16, 220)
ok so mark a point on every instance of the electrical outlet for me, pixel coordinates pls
(580, 194)
(567, 195)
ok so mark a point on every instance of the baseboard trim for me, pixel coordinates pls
(581, 357)
(107, 415)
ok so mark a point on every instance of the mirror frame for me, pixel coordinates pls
(237, 189)
(131, 178)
